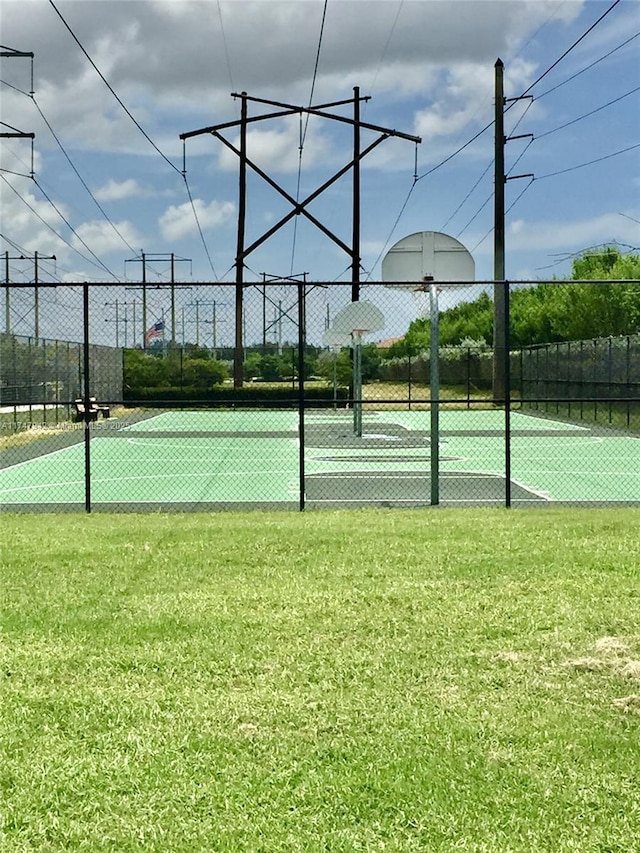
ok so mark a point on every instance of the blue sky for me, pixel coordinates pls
(428, 67)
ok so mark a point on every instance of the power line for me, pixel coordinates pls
(73, 230)
(44, 221)
(315, 68)
(195, 215)
(112, 90)
(15, 88)
(23, 251)
(80, 178)
(519, 196)
(50, 227)
(476, 214)
(511, 206)
(589, 163)
(588, 67)
(571, 47)
(386, 47)
(590, 113)
(393, 228)
(468, 194)
(520, 156)
(224, 44)
(303, 133)
(544, 74)
(140, 128)
(456, 152)
(540, 77)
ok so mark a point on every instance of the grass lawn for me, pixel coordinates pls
(332, 681)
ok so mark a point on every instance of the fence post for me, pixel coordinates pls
(507, 398)
(301, 401)
(87, 392)
(628, 379)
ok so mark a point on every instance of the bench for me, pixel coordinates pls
(95, 409)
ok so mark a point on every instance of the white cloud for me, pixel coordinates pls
(263, 47)
(117, 190)
(279, 149)
(102, 238)
(466, 93)
(33, 221)
(577, 234)
(178, 221)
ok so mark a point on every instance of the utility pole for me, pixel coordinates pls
(10, 53)
(238, 347)
(146, 258)
(499, 301)
(125, 317)
(279, 313)
(36, 258)
(214, 321)
(116, 304)
(200, 303)
(355, 239)
(500, 285)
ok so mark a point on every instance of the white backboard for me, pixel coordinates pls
(362, 317)
(331, 338)
(428, 256)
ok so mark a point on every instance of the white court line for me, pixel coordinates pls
(44, 456)
(131, 427)
(137, 478)
(539, 420)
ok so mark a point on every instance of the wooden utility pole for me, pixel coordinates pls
(499, 300)
(355, 239)
(238, 348)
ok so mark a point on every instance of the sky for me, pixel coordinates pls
(108, 182)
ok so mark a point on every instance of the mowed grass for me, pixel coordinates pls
(349, 681)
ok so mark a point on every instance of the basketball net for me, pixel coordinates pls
(422, 301)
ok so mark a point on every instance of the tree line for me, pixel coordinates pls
(560, 310)
(549, 312)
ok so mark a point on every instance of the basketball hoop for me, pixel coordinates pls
(421, 260)
(355, 320)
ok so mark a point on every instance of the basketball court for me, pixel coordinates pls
(215, 459)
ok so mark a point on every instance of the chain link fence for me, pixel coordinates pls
(596, 381)
(38, 372)
(215, 397)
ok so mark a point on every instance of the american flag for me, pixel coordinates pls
(156, 331)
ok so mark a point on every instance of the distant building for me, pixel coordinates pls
(388, 342)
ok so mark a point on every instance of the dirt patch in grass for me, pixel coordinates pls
(631, 669)
(611, 654)
(590, 664)
(628, 704)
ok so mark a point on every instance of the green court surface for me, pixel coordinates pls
(216, 459)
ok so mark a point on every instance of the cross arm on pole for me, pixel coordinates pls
(297, 108)
(236, 123)
(291, 109)
(7, 51)
(346, 120)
